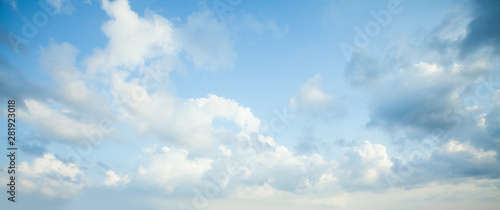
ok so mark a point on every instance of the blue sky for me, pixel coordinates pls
(237, 104)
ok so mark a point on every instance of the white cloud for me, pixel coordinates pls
(275, 165)
(225, 151)
(279, 156)
(326, 184)
(133, 40)
(53, 178)
(428, 69)
(168, 168)
(71, 86)
(470, 153)
(257, 160)
(190, 122)
(50, 165)
(54, 123)
(113, 179)
(206, 42)
(312, 99)
(152, 43)
(365, 166)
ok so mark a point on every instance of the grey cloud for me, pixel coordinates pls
(15, 85)
(410, 99)
(484, 29)
(307, 143)
(415, 102)
(363, 69)
(492, 120)
(423, 108)
(445, 165)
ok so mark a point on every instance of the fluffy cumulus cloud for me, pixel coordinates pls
(113, 179)
(206, 42)
(365, 166)
(275, 165)
(51, 177)
(168, 167)
(133, 40)
(72, 88)
(253, 167)
(136, 41)
(259, 169)
(190, 122)
(312, 98)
